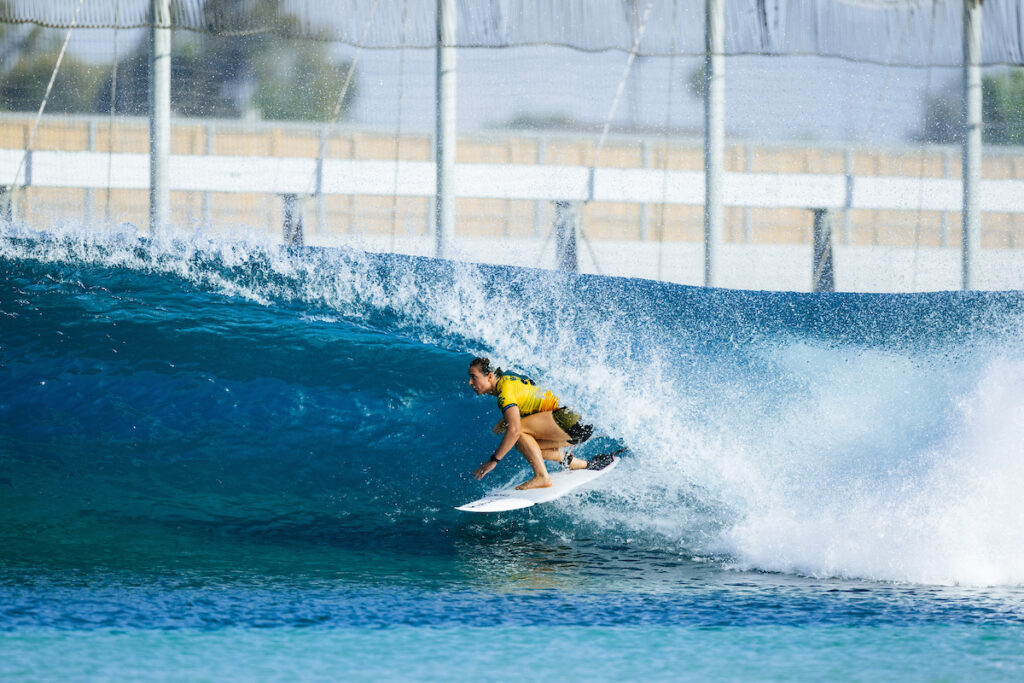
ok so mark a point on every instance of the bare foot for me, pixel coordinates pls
(535, 483)
(578, 464)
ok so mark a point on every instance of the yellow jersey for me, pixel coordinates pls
(515, 390)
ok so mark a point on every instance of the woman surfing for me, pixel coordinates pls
(533, 422)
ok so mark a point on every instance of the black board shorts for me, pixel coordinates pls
(570, 423)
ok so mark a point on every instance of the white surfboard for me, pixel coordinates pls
(563, 482)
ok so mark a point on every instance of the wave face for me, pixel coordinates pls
(180, 393)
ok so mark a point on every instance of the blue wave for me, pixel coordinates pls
(212, 390)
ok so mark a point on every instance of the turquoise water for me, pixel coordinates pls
(224, 459)
(503, 653)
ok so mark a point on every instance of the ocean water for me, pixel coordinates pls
(226, 459)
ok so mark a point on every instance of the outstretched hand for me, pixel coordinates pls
(481, 472)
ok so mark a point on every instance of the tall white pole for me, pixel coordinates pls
(444, 143)
(714, 135)
(159, 116)
(972, 125)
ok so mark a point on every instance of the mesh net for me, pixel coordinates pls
(899, 32)
(817, 93)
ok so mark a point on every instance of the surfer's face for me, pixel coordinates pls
(479, 382)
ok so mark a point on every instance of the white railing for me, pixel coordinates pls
(285, 175)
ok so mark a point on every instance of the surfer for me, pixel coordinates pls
(532, 421)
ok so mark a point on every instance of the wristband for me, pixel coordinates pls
(495, 459)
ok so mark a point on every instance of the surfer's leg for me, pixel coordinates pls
(527, 445)
(551, 450)
(555, 451)
(550, 438)
(542, 427)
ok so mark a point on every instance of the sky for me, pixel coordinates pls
(767, 98)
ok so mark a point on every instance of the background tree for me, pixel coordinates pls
(1002, 104)
(1003, 107)
(74, 91)
(27, 58)
(229, 76)
(696, 81)
(16, 40)
(299, 81)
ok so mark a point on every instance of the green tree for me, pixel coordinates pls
(28, 55)
(696, 81)
(16, 40)
(74, 90)
(526, 121)
(1002, 104)
(1003, 108)
(942, 115)
(299, 82)
(229, 75)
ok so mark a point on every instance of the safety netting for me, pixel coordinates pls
(897, 32)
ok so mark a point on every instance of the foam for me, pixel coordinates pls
(872, 497)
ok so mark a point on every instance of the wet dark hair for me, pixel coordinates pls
(484, 365)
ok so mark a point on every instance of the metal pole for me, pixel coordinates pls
(566, 222)
(972, 122)
(822, 274)
(714, 135)
(6, 204)
(90, 197)
(292, 214)
(645, 151)
(205, 201)
(947, 164)
(538, 205)
(748, 167)
(159, 116)
(848, 201)
(321, 201)
(444, 143)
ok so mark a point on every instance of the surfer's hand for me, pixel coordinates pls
(481, 471)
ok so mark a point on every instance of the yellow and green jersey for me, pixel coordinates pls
(515, 390)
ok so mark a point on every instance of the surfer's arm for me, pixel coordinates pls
(513, 429)
(512, 432)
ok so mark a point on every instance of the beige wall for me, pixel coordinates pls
(492, 217)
